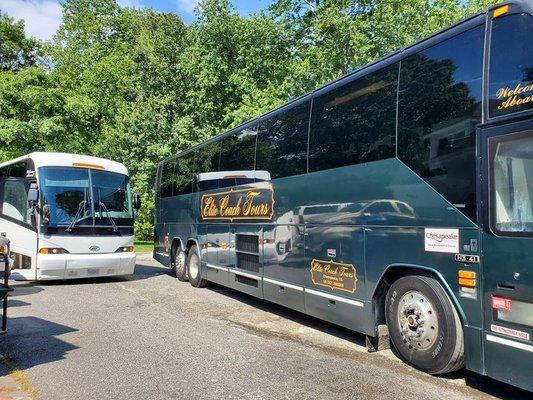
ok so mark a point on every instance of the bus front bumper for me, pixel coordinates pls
(74, 266)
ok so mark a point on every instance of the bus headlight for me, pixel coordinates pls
(125, 249)
(52, 250)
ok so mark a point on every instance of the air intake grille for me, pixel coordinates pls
(248, 243)
(249, 262)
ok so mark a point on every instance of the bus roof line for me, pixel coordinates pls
(312, 93)
(15, 160)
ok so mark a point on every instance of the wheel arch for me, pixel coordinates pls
(176, 241)
(192, 242)
(396, 271)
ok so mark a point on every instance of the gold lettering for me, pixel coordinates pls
(511, 96)
(334, 275)
(238, 204)
(209, 209)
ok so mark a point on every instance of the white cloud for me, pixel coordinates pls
(187, 5)
(41, 18)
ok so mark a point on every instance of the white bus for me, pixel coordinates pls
(67, 216)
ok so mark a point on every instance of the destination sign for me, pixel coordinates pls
(239, 204)
(334, 275)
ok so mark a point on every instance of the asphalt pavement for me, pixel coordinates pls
(152, 337)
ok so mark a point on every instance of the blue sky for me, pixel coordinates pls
(43, 17)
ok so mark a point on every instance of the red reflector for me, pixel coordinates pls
(501, 303)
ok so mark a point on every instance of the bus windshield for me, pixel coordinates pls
(84, 197)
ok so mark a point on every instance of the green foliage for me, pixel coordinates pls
(137, 85)
(16, 50)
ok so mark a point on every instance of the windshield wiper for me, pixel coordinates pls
(77, 219)
(102, 205)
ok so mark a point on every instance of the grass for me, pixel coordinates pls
(144, 247)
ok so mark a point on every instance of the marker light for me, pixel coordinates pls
(3, 249)
(124, 249)
(87, 165)
(500, 11)
(52, 250)
(466, 278)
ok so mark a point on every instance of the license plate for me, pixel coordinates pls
(92, 271)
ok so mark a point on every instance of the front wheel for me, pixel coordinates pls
(193, 268)
(424, 326)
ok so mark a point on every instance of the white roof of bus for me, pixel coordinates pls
(42, 159)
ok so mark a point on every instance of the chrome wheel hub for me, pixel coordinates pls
(418, 321)
(194, 266)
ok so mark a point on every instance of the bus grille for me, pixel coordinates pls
(249, 262)
(248, 243)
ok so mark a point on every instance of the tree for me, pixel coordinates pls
(137, 85)
(16, 50)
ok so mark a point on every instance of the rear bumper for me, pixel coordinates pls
(74, 266)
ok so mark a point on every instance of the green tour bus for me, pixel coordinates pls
(397, 200)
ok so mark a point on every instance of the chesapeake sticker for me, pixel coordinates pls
(249, 203)
(334, 275)
(441, 240)
(512, 97)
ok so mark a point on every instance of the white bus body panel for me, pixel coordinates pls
(24, 242)
(89, 256)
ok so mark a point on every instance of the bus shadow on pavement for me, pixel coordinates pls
(479, 382)
(292, 315)
(141, 272)
(32, 341)
(24, 289)
(17, 303)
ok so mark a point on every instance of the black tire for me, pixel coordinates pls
(195, 278)
(431, 338)
(179, 264)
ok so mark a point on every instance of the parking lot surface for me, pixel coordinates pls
(152, 337)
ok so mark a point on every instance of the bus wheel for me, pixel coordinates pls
(193, 268)
(179, 266)
(424, 326)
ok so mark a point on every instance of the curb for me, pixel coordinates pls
(14, 384)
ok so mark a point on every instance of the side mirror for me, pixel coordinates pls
(33, 194)
(137, 202)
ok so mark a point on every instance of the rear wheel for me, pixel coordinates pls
(179, 264)
(193, 268)
(424, 326)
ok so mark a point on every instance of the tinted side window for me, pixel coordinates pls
(183, 174)
(355, 123)
(17, 170)
(439, 107)
(237, 152)
(167, 173)
(282, 143)
(206, 159)
(511, 65)
(15, 200)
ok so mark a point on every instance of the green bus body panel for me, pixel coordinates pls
(511, 365)
(370, 216)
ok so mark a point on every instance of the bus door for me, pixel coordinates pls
(335, 274)
(243, 257)
(17, 223)
(507, 167)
